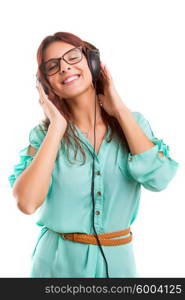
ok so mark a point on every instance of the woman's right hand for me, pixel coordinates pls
(50, 110)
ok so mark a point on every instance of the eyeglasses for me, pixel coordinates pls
(52, 66)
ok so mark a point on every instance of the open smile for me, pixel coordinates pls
(72, 81)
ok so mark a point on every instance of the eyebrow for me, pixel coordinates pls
(59, 56)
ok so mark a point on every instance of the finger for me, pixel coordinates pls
(107, 73)
(105, 77)
(41, 101)
(103, 73)
(38, 86)
(41, 89)
(102, 65)
(37, 83)
(41, 98)
(102, 69)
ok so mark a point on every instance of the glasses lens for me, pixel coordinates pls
(73, 56)
(51, 67)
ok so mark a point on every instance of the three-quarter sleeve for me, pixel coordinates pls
(36, 137)
(149, 168)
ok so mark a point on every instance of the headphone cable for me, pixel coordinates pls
(92, 188)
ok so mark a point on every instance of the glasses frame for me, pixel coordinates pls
(42, 66)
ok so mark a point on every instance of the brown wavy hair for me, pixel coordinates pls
(62, 104)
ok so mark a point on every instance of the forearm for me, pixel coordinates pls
(137, 140)
(32, 185)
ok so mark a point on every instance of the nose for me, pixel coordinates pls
(63, 66)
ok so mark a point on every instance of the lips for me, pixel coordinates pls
(71, 80)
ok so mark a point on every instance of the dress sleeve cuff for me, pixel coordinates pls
(150, 169)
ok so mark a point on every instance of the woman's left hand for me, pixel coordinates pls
(111, 101)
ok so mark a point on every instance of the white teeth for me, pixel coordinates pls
(71, 78)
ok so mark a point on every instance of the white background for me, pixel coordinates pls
(142, 43)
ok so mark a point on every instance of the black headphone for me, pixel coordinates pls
(93, 60)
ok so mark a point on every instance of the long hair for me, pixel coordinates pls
(62, 104)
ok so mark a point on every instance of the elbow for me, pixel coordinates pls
(28, 210)
(23, 205)
(154, 188)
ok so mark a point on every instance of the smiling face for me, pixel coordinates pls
(75, 87)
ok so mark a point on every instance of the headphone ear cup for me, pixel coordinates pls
(93, 60)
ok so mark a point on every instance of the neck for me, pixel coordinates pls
(82, 108)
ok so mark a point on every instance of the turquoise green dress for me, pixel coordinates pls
(68, 205)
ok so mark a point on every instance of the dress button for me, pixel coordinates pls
(99, 193)
(130, 158)
(98, 173)
(97, 212)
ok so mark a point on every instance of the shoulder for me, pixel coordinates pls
(143, 123)
(139, 117)
(36, 135)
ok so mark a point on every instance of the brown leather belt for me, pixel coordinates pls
(103, 237)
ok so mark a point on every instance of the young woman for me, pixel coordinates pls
(79, 237)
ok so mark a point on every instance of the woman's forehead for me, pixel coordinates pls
(56, 49)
